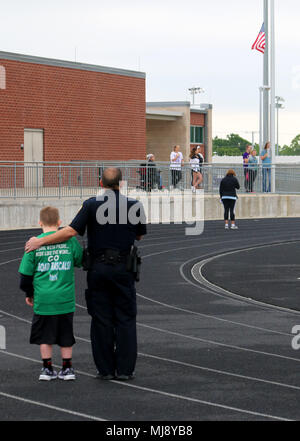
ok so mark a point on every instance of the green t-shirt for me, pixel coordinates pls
(52, 268)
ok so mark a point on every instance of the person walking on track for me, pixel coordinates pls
(228, 195)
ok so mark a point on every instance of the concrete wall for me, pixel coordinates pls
(162, 136)
(256, 206)
(25, 214)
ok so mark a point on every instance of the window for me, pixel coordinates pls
(197, 135)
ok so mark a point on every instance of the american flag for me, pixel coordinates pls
(260, 42)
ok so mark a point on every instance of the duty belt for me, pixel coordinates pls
(111, 257)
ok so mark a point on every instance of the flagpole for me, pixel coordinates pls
(266, 78)
(272, 84)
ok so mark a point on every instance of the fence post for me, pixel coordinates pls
(81, 189)
(37, 180)
(59, 181)
(15, 181)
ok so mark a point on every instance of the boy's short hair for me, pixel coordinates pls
(49, 216)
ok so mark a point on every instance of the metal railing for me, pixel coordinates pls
(81, 180)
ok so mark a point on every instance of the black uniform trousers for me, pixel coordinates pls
(111, 302)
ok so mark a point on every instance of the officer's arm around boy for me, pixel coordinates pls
(113, 223)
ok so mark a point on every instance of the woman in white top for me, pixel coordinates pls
(201, 160)
(195, 166)
(177, 162)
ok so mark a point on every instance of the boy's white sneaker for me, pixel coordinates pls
(47, 375)
(67, 374)
(234, 227)
(226, 227)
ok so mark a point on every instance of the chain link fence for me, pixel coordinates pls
(81, 180)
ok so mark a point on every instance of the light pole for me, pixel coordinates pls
(278, 105)
(194, 91)
(253, 132)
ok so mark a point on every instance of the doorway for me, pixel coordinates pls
(33, 157)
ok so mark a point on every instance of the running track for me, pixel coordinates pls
(204, 354)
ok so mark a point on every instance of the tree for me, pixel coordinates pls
(293, 149)
(228, 151)
(233, 145)
(295, 145)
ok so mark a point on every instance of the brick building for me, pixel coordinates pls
(177, 123)
(53, 110)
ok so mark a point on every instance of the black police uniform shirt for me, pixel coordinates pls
(117, 235)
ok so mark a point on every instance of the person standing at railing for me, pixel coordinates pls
(201, 160)
(177, 162)
(246, 156)
(149, 174)
(228, 195)
(266, 168)
(253, 168)
(195, 166)
(153, 173)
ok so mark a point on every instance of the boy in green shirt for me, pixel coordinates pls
(47, 277)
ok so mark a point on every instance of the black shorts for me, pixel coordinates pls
(53, 330)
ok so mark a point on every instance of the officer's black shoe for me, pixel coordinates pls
(125, 377)
(105, 377)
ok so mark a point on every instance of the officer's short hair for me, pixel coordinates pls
(49, 216)
(111, 177)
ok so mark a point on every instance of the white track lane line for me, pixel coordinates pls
(241, 300)
(11, 249)
(192, 337)
(176, 308)
(153, 230)
(11, 243)
(203, 340)
(171, 250)
(230, 294)
(217, 371)
(212, 342)
(206, 369)
(49, 406)
(170, 395)
(10, 261)
(203, 243)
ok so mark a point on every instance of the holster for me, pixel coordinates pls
(134, 262)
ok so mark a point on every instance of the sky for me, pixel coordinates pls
(178, 44)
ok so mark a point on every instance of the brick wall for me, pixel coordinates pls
(85, 115)
(197, 119)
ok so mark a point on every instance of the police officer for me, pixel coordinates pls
(113, 223)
